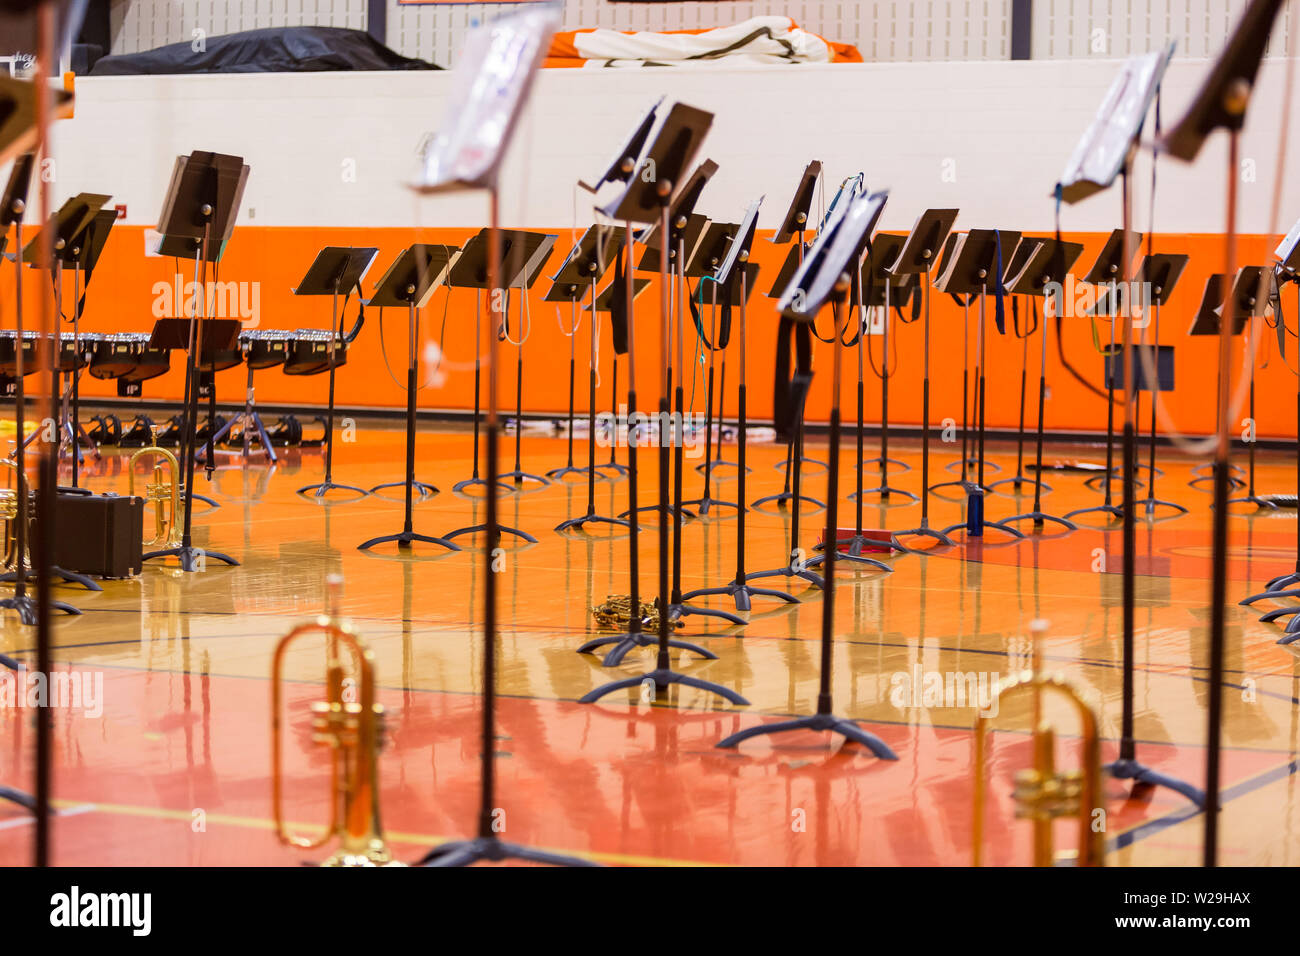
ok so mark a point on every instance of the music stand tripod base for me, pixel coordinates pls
(662, 679)
(24, 800)
(629, 641)
(673, 510)
(1129, 769)
(589, 517)
(741, 593)
(884, 491)
(852, 553)
(419, 487)
(805, 460)
(404, 539)
(479, 529)
(1114, 511)
(839, 725)
(492, 850)
(924, 531)
(191, 558)
(325, 487)
(460, 486)
(68, 577)
(26, 608)
(788, 572)
(788, 496)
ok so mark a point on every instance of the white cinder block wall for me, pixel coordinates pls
(990, 137)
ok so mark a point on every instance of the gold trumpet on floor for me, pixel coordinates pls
(351, 724)
(163, 492)
(1043, 794)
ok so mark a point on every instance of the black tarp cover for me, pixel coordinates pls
(274, 50)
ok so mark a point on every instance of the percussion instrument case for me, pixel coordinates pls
(99, 535)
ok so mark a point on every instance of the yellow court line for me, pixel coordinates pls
(261, 823)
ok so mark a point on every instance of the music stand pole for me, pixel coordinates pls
(557, 474)
(706, 501)
(1151, 501)
(1250, 498)
(662, 676)
(825, 718)
(967, 444)
(486, 845)
(474, 478)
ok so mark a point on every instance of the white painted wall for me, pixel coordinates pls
(1004, 129)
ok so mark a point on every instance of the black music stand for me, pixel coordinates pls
(977, 267)
(12, 206)
(736, 275)
(670, 150)
(704, 265)
(1287, 270)
(1048, 263)
(86, 249)
(219, 335)
(1109, 145)
(1258, 303)
(917, 257)
(77, 244)
(793, 226)
(882, 289)
(1010, 240)
(613, 249)
(336, 270)
(523, 262)
(197, 220)
(493, 75)
(1221, 103)
(1159, 274)
(1104, 274)
(614, 296)
(826, 276)
(470, 271)
(793, 464)
(409, 282)
(1206, 323)
(580, 270)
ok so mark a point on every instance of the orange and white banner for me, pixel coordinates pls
(759, 40)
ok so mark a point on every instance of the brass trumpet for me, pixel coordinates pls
(352, 729)
(1043, 793)
(163, 492)
(9, 515)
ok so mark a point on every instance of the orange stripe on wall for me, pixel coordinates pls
(122, 297)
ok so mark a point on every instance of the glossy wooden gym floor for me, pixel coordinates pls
(176, 770)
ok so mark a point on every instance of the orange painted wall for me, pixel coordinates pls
(121, 299)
